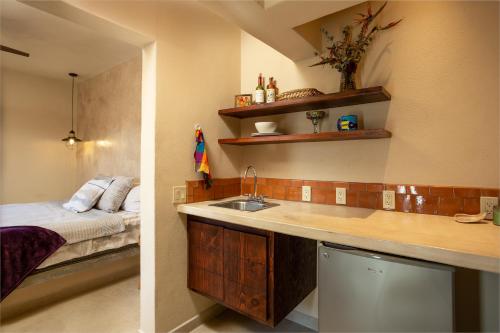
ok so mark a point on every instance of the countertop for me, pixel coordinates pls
(428, 237)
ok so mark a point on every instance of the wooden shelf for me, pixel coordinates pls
(310, 137)
(344, 98)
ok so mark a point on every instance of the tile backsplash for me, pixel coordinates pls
(423, 199)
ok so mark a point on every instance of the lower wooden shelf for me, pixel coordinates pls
(365, 134)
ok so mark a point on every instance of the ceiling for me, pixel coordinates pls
(56, 46)
(283, 25)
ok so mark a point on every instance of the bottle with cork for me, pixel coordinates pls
(271, 91)
(259, 91)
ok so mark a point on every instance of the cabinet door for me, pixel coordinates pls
(206, 259)
(245, 272)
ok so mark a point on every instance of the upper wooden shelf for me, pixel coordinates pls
(344, 98)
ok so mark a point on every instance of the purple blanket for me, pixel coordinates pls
(23, 249)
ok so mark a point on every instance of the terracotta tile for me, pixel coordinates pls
(325, 185)
(450, 206)
(218, 192)
(293, 193)
(228, 181)
(390, 187)
(373, 187)
(441, 191)
(472, 205)
(352, 199)
(200, 194)
(231, 190)
(277, 182)
(425, 204)
(318, 195)
(265, 190)
(341, 184)
(248, 181)
(189, 189)
(417, 189)
(465, 192)
(367, 200)
(331, 198)
(490, 192)
(295, 182)
(261, 181)
(380, 203)
(357, 187)
(279, 192)
(404, 203)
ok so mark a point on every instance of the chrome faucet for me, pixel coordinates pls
(254, 195)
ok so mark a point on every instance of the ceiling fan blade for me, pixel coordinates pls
(11, 50)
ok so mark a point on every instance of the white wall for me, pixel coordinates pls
(35, 116)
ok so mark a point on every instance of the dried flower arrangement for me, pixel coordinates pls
(345, 55)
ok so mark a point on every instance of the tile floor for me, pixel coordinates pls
(115, 309)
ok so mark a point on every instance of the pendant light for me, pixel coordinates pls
(71, 140)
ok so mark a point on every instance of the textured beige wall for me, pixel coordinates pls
(197, 72)
(109, 122)
(35, 116)
(441, 66)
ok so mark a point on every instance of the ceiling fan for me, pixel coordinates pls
(14, 51)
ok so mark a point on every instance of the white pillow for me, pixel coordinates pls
(113, 197)
(132, 202)
(86, 197)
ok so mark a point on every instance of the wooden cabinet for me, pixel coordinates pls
(261, 274)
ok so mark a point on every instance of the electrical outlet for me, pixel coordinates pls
(340, 196)
(179, 194)
(389, 199)
(487, 204)
(306, 193)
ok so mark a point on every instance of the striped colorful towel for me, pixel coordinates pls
(201, 158)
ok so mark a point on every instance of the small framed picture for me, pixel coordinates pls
(242, 100)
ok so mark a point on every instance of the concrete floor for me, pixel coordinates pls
(110, 309)
(115, 309)
(230, 321)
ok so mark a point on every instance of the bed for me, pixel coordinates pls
(86, 234)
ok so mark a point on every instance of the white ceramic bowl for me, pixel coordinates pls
(266, 126)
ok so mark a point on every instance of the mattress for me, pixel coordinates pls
(129, 236)
(73, 227)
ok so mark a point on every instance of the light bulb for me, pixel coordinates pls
(71, 141)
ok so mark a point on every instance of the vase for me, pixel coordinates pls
(348, 77)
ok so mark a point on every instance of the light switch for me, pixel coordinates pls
(179, 195)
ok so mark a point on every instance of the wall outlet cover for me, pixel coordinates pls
(340, 196)
(389, 200)
(306, 193)
(179, 194)
(487, 204)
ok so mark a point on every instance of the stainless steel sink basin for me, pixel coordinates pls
(245, 205)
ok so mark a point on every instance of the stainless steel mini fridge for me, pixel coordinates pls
(362, 291)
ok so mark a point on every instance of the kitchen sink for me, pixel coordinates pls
(245, 205)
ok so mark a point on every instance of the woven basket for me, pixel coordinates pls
(298, 93)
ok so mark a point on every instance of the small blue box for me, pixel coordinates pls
(347, 123)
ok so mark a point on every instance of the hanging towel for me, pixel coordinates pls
(201, 158)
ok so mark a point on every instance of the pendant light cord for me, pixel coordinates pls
(72, 101)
